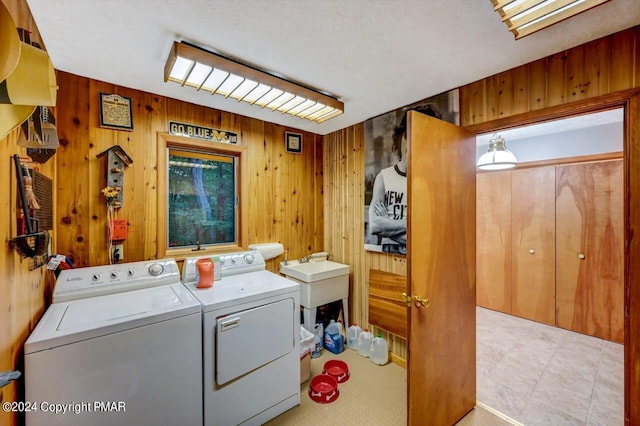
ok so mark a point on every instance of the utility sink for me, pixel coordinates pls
(320, 283)
(313, 271)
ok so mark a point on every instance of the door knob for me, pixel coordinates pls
(532, 251)
(581, 256)
(407, 299)
(421, 302)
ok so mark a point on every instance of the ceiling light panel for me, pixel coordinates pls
(197, 68)
(524, 17)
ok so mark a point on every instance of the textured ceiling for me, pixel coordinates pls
(374, 55)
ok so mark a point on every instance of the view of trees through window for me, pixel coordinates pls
(202, 194)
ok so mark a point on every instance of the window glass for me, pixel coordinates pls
(201, 199)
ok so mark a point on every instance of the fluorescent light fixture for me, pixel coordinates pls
(524, 17)
(498, 157)
(202, 70)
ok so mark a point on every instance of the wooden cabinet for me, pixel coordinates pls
(493, 236)
(533, 244)
(550, 245)
(590, 249)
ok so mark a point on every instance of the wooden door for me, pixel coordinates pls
(441, 267)
(493, 240)
(590, 249)
(533, 212)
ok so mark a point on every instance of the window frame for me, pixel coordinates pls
(166, 142)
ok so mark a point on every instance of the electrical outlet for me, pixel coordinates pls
(117, 253)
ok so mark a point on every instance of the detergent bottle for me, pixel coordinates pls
(333, 338)
(319, 337)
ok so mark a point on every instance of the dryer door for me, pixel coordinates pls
(249, 339)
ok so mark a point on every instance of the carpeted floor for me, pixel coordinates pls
(373, 395)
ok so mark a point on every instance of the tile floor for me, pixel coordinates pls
(542, 375)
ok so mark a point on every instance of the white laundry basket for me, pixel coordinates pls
(307, 345)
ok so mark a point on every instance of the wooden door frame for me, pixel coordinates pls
(630, 101)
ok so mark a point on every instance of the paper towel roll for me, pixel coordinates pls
(268, 250)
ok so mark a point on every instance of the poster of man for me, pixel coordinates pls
(385, 139)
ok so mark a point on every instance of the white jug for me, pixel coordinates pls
(364, 343)
(353, 332)
(379, 353)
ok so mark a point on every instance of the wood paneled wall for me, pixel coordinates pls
(344, 230)
(285, 190)
(603, 66)
(22, 292)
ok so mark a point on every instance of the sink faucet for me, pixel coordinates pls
(305, 259)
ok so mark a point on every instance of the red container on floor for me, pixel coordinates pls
(338, 369)
(323, 389)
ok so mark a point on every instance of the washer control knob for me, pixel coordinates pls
(131, 272)
(248, 258)
(114, 274)
(233, 260)
(156, 269)
(96, 276)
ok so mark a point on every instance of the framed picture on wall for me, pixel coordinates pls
(385, 199)
(293, 142)
(115, 112)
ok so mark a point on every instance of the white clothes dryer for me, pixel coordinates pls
(109, 355)
(251, 341)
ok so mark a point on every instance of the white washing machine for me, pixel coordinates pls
(120, 346)
(251, 340)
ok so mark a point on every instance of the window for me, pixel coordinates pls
(199, 196)
(202, 199)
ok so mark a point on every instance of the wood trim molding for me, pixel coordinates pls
(586, 106)
(164, 141)
(631, 263)
(396, 359)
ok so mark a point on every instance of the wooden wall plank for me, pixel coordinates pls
(492, 98)
(577, 81)
(597, 68)
(537, 85)
(556, 79)
(520, 87)
(623, 60)
(472, 102)
(506, 93)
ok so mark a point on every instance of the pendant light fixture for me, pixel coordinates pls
(498, 157)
